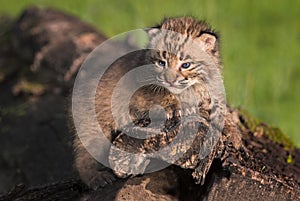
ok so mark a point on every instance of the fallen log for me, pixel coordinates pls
(265, 167)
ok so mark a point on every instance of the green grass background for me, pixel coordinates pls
(260, 44)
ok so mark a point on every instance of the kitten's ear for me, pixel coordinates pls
(152, 32)
(209, 42)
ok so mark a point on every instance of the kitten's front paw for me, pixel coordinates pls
(99, 179)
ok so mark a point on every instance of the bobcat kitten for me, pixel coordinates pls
(182, 69)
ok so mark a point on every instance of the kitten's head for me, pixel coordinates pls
(184, 51)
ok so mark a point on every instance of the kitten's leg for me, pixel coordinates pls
(127, 157)
(203, 167)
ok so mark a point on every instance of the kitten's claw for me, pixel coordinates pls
(173, 113)
(169, 116)
(169, 113)
(178, 113)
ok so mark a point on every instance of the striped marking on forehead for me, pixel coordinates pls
(181, 55)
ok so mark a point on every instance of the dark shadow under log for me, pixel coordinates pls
(49, 47)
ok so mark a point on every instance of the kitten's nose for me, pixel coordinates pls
(169, 80)
(170, 76)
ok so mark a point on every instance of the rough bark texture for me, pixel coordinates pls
(40, 54)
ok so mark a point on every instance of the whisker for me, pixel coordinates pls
(150, 80)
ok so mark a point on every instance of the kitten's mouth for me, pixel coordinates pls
(173, 87)
(176, 89)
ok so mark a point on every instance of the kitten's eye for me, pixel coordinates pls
(162, 63)
(186, 65)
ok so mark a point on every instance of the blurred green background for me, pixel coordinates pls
(260, 44)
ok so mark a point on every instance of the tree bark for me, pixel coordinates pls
(254, 165)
